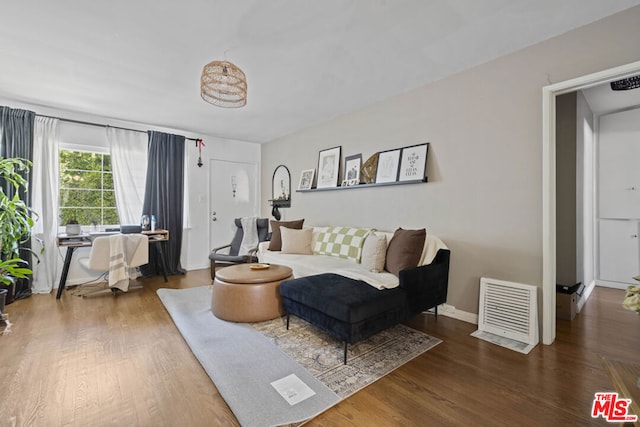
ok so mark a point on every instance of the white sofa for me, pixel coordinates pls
(307, 265)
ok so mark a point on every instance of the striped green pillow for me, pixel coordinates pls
(343, 242)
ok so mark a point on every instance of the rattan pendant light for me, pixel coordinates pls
(223, 84)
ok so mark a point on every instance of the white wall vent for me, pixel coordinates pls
(508, 314)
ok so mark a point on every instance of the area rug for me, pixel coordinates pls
(243, 360)
(368, 360)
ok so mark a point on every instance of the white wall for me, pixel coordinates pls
(484, 198)
(195, 249)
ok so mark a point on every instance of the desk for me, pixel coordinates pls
(624, 377)
(86, 240)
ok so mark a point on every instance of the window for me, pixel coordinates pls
(86, 188)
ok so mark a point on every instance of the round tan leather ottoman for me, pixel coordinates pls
(241, 294)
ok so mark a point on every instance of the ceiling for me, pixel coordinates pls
(306, 61)
(603, 100)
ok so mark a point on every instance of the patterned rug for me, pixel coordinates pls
(368, 360)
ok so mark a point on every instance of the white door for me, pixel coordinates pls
(233, 194)
(619, 251)
(618, 174)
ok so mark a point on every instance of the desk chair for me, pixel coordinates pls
(219, 259)
(116, 254)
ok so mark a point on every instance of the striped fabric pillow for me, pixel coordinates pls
(343, 242)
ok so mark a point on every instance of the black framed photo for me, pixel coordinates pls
(328, 167)
(306, 179)
(388, 163)
(413, 162)
(352, 166)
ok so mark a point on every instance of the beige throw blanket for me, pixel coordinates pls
(126, 251)
(250, 235)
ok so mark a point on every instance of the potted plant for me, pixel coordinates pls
(15, 223)
(632, 297)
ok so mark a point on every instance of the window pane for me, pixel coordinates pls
(108, 181)
(80, 179)
(107, 163)
(84, 216)
(80, 198)
(80, 160)
(109, 199)
(111, 217)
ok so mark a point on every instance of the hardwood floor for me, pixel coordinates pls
(105, 360)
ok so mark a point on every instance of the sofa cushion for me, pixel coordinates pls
(342, 298)
(343, 242)
(404, 250)
(374, 252)
(296, 241)
(276, 239)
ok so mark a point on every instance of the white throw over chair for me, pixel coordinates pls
(117, 255)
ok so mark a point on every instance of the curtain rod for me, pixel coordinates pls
(82, 122)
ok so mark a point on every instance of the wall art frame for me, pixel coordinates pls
(413, 162)
(328, 167)
(352, 165)
(388, 166)
(306, 179)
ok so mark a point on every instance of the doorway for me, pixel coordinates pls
(549, 94)
(233, 194)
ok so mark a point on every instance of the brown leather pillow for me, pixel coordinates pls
(276, 238)
(404, 250)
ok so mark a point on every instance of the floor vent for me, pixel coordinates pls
(508, 314)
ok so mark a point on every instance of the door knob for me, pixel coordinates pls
(634, 236)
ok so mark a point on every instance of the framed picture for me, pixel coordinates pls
(306, 179)
(352, 168)
(388, 162)
(328, 167)
(413, 162)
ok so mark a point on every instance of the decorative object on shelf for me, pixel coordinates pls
(388, 162)
(328, 167)
(368, 169)
(352, 166)
(144, 222)
(234, 185)
(306, 179)
(73, 228)
(223, 84)
(280, 190)
(413, 162)
(199, 145)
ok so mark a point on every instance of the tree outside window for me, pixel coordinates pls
(86, 188)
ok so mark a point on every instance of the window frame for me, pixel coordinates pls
(85, 149)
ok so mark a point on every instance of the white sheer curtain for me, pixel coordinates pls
(129, 165)
(45, 202)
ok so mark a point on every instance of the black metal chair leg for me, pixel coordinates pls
(287, 321)
(436, 312)
(345, 352)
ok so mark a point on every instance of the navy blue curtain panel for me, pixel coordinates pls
(16, 140)
(164, 197)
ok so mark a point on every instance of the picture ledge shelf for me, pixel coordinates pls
(375, 184)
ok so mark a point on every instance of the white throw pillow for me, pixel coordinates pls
(296, 241)
(374, 252)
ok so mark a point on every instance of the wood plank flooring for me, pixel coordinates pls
(120, 361)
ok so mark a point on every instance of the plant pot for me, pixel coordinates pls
(8, 294)
(73, 229)
(3, 298)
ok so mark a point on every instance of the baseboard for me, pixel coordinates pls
(450, 311)
(192, 267)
